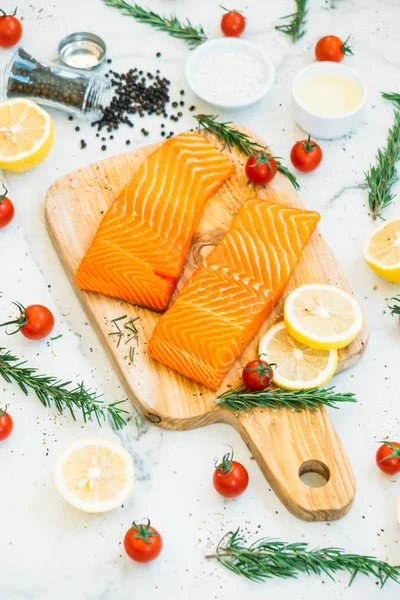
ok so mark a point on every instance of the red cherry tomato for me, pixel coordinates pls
(6, 425)
(306, 155)
(331, 48)
(10, 29)
(6, 209)
(34, 322)
(142, 543)
(257, 375)
(230, 478)
(388, 457)
(233, 23)
(261, 169)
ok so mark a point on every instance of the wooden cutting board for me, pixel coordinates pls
(285, 444)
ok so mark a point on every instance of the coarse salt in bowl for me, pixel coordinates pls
(229, 73)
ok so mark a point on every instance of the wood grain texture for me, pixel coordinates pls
(74, 208)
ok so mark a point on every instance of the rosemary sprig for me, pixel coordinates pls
(381, 177)
(393, 97)
(232, 137)
(395, 307)
(296, 27)
(267, 558)
(241, 399)
(187, 32)
(51, 390)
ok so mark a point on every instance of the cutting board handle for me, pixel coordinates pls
(288, 445)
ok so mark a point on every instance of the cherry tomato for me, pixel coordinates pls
(388, 457)
(6, 425)
(6, 211)
(261, 169)
(306, 155)
(142, 543)
(230, 477)
(331, 48)
(233, 23)
(257, 375)
(10, 29)
(34, 322)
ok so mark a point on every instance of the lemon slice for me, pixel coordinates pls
(26, 134)
(94, 475)
(298, 366)
(322, 316)
(382, 251)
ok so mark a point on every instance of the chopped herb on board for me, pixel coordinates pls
(127, 332)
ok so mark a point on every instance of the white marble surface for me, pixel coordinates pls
(47, 549)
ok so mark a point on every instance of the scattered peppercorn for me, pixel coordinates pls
(174, 104)
(128, 142)
(163, 133)
(192, 108)
(182, 92)
(109, 61)
(104, 147)
(181, 103)
(158, 54)
(77, 128)
(83, 144)
(70, 118)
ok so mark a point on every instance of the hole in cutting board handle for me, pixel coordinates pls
(314, 473)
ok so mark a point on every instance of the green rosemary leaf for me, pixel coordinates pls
(381, 177)
(295, 27)
(233, 138)
(267, 558)
(50, 390)
(240, 399)
(393, 97)
(187, 32)
(395, 306)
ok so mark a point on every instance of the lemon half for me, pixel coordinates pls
(382, 251)
(298, 366)
(322, 316)
(94, 475)
(26, 134)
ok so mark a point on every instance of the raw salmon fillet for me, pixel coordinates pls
(142, 242)
(224, 304)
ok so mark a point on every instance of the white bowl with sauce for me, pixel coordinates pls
(328, 99)
(229, 73)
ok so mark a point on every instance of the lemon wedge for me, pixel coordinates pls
(298, 365)
(26, 135)
(322, 316)
(94, 475)
(382, 251)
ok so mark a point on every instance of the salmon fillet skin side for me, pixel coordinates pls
(226, 301)
(142, 242)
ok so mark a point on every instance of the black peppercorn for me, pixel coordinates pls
(104, 147)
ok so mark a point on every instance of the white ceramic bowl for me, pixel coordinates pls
(228, 45)
(327, 127)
